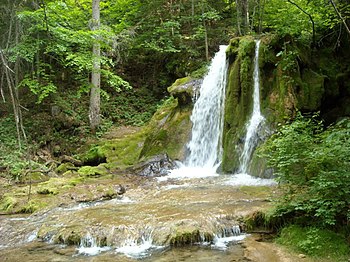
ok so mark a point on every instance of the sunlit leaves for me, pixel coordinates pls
(315, 164)
(42, 90)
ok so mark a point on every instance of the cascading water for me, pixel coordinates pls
(256, 119)
(207, 116)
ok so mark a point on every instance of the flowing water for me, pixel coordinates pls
(207, 116)
(256, 119)
(204, 148)
(192, 205)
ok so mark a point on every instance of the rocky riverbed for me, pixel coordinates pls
(153, 219)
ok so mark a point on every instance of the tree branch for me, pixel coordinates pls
(310, 17)
(340, 16)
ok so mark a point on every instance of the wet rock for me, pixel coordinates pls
(301, 256)
(185, 89)
(158, 165)
(114, 192)
(120, 190)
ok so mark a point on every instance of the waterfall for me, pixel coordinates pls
(207, 116)
(256, 119)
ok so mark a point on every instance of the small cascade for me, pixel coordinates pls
(207, 116)
(90, 247)
(256, 119)
(138, 247)
(221, 241)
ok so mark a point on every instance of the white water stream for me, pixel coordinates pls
(256, 119)
(207, 117)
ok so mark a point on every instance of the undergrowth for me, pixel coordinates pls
(315, 242)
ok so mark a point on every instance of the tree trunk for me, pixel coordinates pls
(243, 24)
(245, 14)
(206, 43)
(239, 31)
(94, 110)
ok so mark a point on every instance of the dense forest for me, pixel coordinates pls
(72, 71)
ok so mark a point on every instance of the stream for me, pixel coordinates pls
(163, 219)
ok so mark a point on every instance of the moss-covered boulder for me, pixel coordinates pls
(170, 127)
(184, 90)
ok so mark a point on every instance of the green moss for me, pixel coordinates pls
(185, 237)
(94, 156)
(70, 235)
(179, 82)
(168, 131)
(50, 187)
(263, 220)
(47, 191)
(8, 203)
(92, 171)
(31, 207)
(124, 152)
(75, 181)
(61, 169)
(310, 90)
(232, 49)
(238, 101)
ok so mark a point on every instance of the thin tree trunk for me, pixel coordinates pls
(192, 9)
(261, 14)
(14, 101)
(205, 36)
(206, 41)
(94, 110)
(238, 18)
(245, 12)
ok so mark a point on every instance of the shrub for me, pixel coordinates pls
(314, 166)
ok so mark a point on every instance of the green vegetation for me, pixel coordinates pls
(314, 166)
(315, 242)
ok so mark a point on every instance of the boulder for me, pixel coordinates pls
(158, 165)
(185, 90)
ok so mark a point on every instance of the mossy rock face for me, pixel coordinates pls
(63, 168)
(186, 237)
(258, 166)
(69, 236)
(169, 131)
(238, 103)
(31, 207)
(154, 166)
(277, 86)
(311, 90)
(288, 83)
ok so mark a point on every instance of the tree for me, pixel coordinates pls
(94, 109)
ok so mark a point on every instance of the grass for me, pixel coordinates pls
(321, 244)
